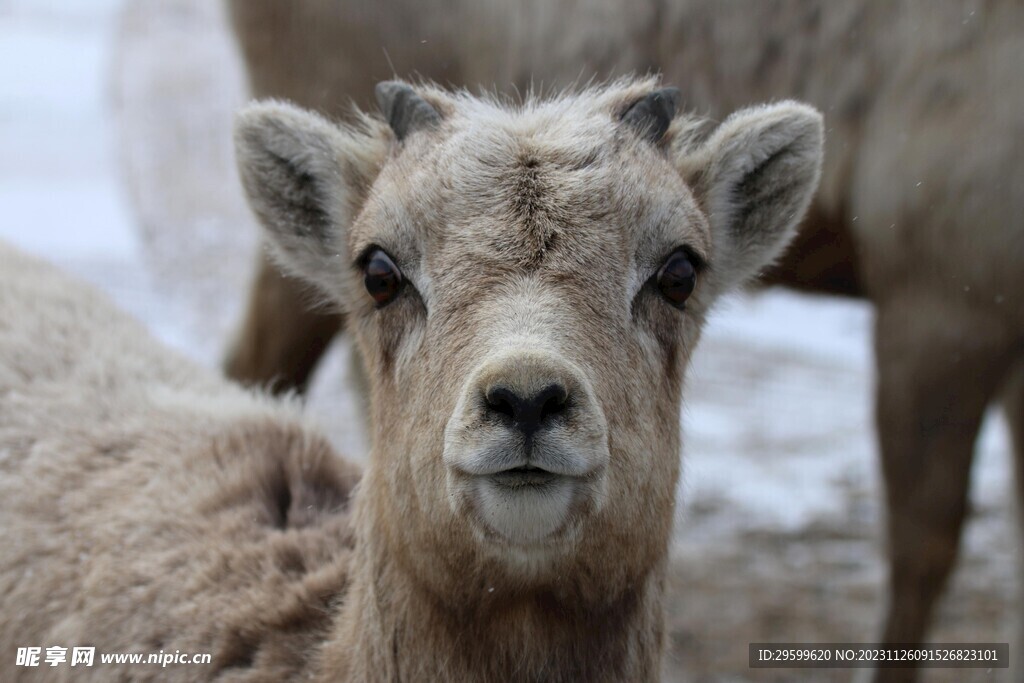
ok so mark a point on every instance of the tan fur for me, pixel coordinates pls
(148, 506)
(921, 191)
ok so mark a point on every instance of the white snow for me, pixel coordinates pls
(59, 191)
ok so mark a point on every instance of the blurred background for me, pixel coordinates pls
(115, 163)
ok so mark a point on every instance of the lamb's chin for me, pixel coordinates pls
(527, 513)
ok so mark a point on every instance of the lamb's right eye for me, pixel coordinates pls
(382, 278)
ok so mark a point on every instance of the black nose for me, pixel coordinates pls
(527, 413)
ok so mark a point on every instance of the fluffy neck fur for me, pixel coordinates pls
(413, 613)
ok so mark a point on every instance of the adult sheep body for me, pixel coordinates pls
(514, 517)
(919, 210)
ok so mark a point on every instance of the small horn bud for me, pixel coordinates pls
(405, 111)
(651, 115)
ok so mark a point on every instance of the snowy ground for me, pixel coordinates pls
(115, 163)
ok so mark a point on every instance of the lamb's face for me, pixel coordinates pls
(526, 287)
(538, 289)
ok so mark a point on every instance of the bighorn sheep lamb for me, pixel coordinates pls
(920, 207)
(527, 284)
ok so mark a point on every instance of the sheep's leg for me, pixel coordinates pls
(938, 368)
(280, 340)
(1013, 404)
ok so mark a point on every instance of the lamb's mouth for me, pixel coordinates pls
(527, 504)
(525, 477)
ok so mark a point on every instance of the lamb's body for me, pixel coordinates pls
(149, 506)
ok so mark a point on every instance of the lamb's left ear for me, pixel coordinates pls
(754, 177)
(306, 179)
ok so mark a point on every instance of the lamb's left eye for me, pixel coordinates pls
(677, 278)
(381, 277)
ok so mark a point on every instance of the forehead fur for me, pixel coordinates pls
(519, 181)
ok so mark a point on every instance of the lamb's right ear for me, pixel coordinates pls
(305, 178)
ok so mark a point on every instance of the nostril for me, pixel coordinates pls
(528, 414)
(502, 400)
(553, 400)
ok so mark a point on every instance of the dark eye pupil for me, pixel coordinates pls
(677, 278)
(381, 278)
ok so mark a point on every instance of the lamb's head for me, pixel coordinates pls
(526, 284)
